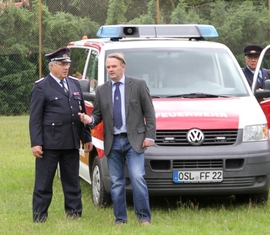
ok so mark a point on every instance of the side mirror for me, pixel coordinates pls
(267, 84)
(263, 93)
(85, 85)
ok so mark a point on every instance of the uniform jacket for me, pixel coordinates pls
(54, 120)
(249, 75)
(140, 115)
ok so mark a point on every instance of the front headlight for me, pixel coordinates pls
(255, 133)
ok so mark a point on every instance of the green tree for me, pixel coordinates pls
(19, 47)
(95, 10)
(239, 24)
(148, 17)
(116, 12)
(19, 34)
(184, 14)
(17, 41)
(63, 27)
(136, 8)
(17, 75)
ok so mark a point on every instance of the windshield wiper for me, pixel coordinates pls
(197, 95)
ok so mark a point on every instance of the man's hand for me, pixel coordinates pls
(85, 118)
(37, 151)
(88, 146)
(147, 143)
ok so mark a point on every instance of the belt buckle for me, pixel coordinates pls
(123, 134)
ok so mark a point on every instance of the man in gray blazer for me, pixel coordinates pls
(125, 106)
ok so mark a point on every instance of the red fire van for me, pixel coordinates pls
(212, 134)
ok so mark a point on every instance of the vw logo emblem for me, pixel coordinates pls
(195, 137)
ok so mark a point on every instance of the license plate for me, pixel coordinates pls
(197, 176)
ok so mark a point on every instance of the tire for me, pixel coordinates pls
(99, 195)
(258, 198)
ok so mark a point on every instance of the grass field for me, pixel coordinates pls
(205, 216)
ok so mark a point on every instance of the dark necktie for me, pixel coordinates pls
(117, 115)
(63, 86)
(260, 80)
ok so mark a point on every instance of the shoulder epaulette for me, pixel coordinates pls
(39, 80)
(73, 78)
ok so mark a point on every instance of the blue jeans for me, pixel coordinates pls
(122, 152)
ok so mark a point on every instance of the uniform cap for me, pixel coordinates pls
(253, 50)
(61, 54)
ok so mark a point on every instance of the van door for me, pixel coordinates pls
(266, 109)
(263, 96)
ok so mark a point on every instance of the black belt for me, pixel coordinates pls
(121, 134)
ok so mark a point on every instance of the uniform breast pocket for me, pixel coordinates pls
(77, 97)
(52, 130)
(55, 101)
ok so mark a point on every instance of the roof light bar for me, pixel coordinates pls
(171, 30)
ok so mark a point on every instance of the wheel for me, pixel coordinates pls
(258, 198)
(99, 195)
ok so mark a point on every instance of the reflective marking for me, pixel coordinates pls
(192, 114)
(98, 143)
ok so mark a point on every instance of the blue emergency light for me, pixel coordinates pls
(171, 30)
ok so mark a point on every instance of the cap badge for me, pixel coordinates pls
(252, 51)
(65, 55)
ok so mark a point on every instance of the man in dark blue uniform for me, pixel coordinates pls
(252, 53)
(55, 133)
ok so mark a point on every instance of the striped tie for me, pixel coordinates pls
(63, 86)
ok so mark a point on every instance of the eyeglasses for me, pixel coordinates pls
(63, 64)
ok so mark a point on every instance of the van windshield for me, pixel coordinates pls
(173, 72)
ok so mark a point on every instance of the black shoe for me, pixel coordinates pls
(73, 215)
(40, 219)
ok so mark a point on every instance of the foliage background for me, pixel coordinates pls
(238, 23)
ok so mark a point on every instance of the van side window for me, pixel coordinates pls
(92, 70)
(78, 57)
